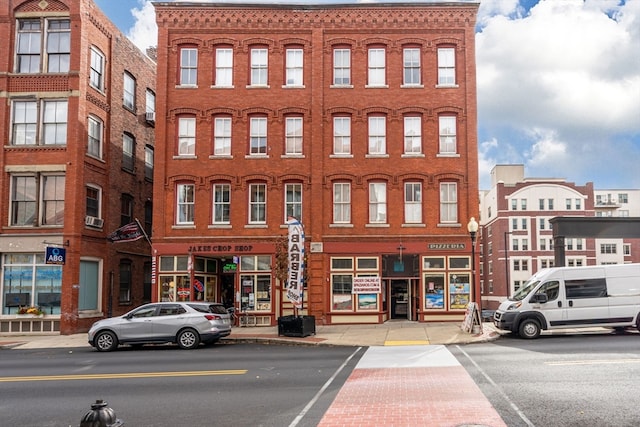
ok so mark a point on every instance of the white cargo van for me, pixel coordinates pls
(573, 297)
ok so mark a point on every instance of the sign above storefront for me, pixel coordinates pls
(55, 255)
(366, 285)
(446, 246)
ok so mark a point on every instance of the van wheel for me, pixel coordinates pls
(529, 329)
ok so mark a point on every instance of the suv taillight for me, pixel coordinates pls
(212, 317)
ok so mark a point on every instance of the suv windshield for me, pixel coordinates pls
(524, 290)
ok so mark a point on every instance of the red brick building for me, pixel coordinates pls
(77, 163)
(357, 119)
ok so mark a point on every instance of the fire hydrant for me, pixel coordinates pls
(100, 415)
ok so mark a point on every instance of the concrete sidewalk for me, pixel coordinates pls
(392, 333)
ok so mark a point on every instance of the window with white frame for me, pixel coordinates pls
(222, 136)
(257, 204)
(24, 123)
(579, 244)
(543, 245)
(148, 162)
(129, 92)
(524, 222)
(523, 204)
(578, 204)
(292, 201)
(342, 135)
(342, 67)
(412, 135)
(150, 101)
(341, 202)
(258, 136)
(96, 71)
(293, 72)
(411, 65)
(446, 66)
(447, 134)
(608, 248)
(377, 135)
(49, 52)
(377, 67)
(128, 152)
(293, 136)
(448, 202)
(550, 203)
(185, 204)
(259, 67)
(95, 128)
(24, 126)
(186, 136)
(541, 223)
(93, 201)
(188, 66)
(514, 223)
(256, 292)
(224, 67)
(413, 202)
(626, 249)
(377, 202)
(54, 123)
(37, 200)
(221, 203)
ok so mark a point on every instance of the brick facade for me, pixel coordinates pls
(87, 286)
(334, 248)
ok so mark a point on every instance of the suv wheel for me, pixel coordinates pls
(188, 339)
(105, 341)
(529, 329)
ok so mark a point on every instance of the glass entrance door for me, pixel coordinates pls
(400, 299)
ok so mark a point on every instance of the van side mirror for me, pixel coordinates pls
(539, 298)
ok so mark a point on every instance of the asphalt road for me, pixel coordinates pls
(586, 380)
(226, 385)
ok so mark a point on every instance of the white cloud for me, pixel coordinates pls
(144, 33)
(564, 82)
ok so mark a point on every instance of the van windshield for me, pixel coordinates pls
(524, 290)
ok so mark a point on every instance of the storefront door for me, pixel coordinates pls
(400, 299)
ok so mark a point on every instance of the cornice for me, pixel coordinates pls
(222, 16)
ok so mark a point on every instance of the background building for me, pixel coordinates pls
(359, 120)
(517, 238)
(77, 163)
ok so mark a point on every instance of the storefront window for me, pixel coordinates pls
(459, 291)
(434, 291)
(430, 263)
(341, 290)
(459, 263)
(255, 289)
(20, 289)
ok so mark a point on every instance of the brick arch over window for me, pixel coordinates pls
(341, 177)
(246, 45)
(256, 178)
(185, 41)
(34, 6)
(293, 178)
(172, 180)
(340, 111)
(377, 110)
(219, 178)
(423, 177)
(380, 177)
(253, 111)
(294, 41)
(426, 112)
(222, 41)
(339, 43)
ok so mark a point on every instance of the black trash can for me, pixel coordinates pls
(296, 326)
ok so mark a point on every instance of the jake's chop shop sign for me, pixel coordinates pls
(220, 248)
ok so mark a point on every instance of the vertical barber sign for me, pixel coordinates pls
(296, 262)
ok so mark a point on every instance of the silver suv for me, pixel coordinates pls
(184, 323)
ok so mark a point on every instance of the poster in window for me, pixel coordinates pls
(434, 292)
(367, 301)
(342, 302)
(459, 291)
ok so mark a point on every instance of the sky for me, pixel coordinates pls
(558, 84)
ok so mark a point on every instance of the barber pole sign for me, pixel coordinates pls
(295, 280)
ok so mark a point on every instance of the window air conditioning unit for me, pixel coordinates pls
(92, 221)
(150, 117)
